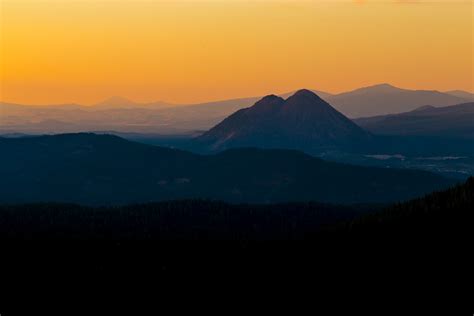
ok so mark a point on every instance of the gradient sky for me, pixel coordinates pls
(59, 51)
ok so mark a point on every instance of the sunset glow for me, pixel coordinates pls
(191, 51)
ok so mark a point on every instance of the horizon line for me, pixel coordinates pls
(125, 98)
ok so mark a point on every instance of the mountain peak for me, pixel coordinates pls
(304, 121)
(305, 98)
(270, 98)
(267, 104)
(305, 93)
(384, 85)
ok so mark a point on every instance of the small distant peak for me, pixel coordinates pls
(116, 101)
(380, 86)
(384, 85)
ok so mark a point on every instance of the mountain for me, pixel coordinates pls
(449, 121)
(303, 121)
(123, 115)
(462, 94)
(386, 99)
(104, 169)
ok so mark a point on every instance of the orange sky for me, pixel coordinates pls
(58, 51)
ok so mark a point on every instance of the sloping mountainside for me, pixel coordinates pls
(440, 215)
(462, 94)
(303, 121)
(449, 121)
(103, 169)
(386, 99)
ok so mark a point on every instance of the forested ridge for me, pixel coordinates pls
(449, 211)
(422, 246)
(445, 211)
(91, 169)
(181, 220)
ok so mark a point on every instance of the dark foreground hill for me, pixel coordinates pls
(421, 246)
(103, 169)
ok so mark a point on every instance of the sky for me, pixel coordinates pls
(83, 51)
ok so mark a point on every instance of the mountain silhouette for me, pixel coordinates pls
(128, 116)
(462, 94)
(304, 121)
(105, 169)
(384, 99)
(449, 121)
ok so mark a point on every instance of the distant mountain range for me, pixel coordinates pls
(122, 115)
(104, 169)
(462, 94)
(304, 121)
(387, 99)
(449, 121)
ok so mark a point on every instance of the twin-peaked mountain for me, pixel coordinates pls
(304, 121)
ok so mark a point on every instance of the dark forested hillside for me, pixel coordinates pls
(440, 215)
(439, 212)
(104, 170)
(173, 220)
(423, 242)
